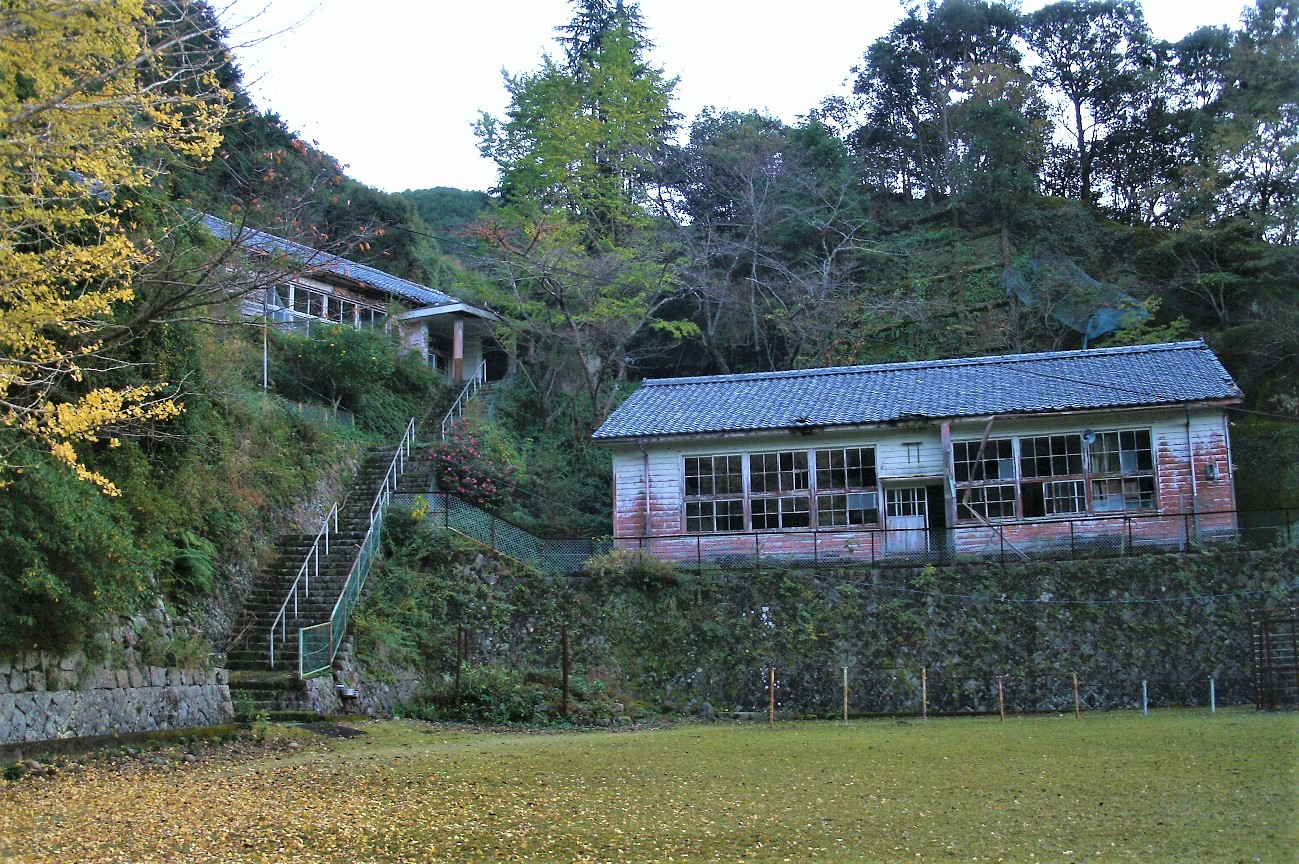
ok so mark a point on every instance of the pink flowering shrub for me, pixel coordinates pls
(476, 466)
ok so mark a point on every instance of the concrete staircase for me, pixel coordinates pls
(278, 690)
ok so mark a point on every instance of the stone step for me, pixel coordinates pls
(249, 655)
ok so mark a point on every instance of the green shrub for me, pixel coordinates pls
(364, 371)
(632, 567)
(501, 695)
(68, 555)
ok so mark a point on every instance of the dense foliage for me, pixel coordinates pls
(995, 182)
(1065, 154)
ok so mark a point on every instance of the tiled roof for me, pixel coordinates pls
(316, 261)
(1173, 373)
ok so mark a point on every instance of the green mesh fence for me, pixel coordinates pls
(562, 555)
(318, 643)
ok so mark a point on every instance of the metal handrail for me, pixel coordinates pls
(462, 401)
(354, 582)
(310, 564)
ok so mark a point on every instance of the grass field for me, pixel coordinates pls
(1177, 786)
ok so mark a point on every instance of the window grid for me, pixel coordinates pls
(789, 511)
(846, 483)
(714, 491)
(1129, 458)
(982, 488)
(988, 502)
(772, 477)
(854, 508)
(772, 473)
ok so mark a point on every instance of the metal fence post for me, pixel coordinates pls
(1145, 702)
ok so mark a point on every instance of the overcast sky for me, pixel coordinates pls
(391, 87)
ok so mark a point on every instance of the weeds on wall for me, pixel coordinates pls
(667, 640)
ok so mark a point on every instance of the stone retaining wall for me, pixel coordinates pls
(44, 696)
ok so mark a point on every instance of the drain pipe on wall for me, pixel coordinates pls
(1190, 456)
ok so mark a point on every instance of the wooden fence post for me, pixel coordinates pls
(771, 698)
(563, 642)
(924, 694)
(845, 695)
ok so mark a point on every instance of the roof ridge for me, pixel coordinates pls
(984, 360)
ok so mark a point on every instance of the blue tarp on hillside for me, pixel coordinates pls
(1077, 300)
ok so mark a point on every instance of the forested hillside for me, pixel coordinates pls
(996, 181)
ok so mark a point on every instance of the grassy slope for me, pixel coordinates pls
(1177, 786)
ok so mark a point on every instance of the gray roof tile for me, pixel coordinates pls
(316, 261)
(1173, 373)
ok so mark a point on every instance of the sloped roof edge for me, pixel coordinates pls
(317, 261)
(1089, 379)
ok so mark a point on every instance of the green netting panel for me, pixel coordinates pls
(315, 655)
(318, 644)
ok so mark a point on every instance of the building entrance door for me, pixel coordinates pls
(906, 520)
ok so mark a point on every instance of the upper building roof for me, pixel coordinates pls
(1144, 375)
(317, 262)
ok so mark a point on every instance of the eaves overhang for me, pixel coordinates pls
(902, 423)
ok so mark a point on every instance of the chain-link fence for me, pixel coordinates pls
(1094, 536)
(317, 413)
(549, 555)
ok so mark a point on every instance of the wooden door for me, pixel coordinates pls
(907, 520)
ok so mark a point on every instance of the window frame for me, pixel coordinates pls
(709, 501)
(980, 488)
(1056, 480)
(787, 495)
(847, 491)
(1136, 474)
(1139, 481)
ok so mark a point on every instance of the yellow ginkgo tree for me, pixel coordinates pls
(92, 103)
